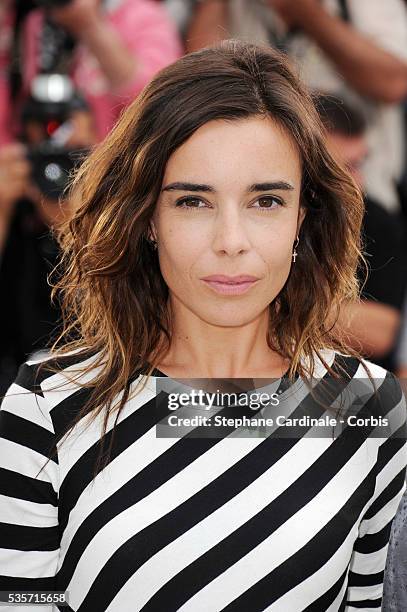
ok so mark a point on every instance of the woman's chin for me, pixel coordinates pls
(228, 316)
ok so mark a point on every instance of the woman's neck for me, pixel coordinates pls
(199, 349)
(273, 367)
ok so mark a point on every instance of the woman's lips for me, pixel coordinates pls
(230, 288)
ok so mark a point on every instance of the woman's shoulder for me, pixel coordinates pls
(376, 392)
(371, 384)
(46, 394)
(350, 365)
(54, 377)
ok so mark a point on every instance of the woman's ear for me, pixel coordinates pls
(301, 216)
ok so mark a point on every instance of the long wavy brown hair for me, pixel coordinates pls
(113, 296)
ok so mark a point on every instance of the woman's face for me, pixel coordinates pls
(229, 205)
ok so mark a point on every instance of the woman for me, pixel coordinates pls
(218, 169)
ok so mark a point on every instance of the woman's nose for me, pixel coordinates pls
(231, 233)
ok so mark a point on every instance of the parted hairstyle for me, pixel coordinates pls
(113, 296)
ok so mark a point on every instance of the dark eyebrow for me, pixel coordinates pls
(270, 186)
(209, 189)
(188, 187)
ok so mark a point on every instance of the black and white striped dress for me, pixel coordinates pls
(194, 524)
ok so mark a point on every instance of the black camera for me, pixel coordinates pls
(46, 128)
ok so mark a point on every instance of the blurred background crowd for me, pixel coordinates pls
(69, 67)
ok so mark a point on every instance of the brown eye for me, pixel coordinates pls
(189, 203)
(268, 202)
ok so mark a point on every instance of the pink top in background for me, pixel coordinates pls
(145, 28)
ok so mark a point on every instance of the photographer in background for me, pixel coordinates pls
(121, 44)
(53, 114)
(33, 174)
(110, 48)
(372, 324)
